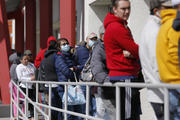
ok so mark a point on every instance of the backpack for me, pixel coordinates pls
(86, 73)
(40, 75)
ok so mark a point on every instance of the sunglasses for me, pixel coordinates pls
(65, 44)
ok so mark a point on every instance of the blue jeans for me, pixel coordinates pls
(56, 101)
(92, 108)
(174, 104)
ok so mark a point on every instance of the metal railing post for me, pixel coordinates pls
(66, 98)
(87, 99)
(17, 104)
(118, 101)
(26, 102)
(35, 110)
(166, 104)
(11, 105)
(50, 91)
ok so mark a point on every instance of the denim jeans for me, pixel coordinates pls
(92, 108)
(174, 104)
(56, 101)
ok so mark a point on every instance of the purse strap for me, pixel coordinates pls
(75, 76)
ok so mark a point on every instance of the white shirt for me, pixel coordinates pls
(147, 54)
(24, 73)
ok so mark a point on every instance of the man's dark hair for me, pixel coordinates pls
(52, 45)
(152, 10)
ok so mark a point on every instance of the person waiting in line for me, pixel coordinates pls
(47, 72)
(26, 72)
(167, 54)
(82, 52)
(105, 109)
(147, 53)
(118, 38)
(14, 59)
(37, 62)
(65, 66)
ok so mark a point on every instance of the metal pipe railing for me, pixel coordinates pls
(26, 98)
(117, 85)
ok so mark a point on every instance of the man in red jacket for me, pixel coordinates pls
(122, 56)
(40, 55)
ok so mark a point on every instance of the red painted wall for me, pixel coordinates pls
(68, 20)
(45, 22)
(31, 26)
(5, 50)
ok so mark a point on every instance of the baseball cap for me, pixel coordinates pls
(92, 35)
(27, 52)
(175, 2)
(167, 3)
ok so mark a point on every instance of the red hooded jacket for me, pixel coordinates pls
(117, 38)
(40, 55)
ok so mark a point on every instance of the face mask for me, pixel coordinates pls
(91, 43)
(158, 14)
(65, 48)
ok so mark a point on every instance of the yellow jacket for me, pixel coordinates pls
(167, 48)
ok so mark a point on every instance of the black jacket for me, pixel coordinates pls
(48, 69)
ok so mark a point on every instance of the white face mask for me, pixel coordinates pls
(65, 48)
(158, 14)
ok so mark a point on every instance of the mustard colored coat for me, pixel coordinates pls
(167, 48)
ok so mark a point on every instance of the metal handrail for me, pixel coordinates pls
(117, 85)
(26, 98)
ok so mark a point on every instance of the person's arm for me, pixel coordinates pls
(125, 40)
(174, 37)
(61, 66)
(38, 59)
(98, 67)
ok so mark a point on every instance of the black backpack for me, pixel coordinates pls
(40, 76)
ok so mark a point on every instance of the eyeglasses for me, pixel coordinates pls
(65, 44)
(94, 38)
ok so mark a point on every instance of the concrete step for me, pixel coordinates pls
(4, 111)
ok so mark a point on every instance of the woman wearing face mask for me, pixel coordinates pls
(65, 66)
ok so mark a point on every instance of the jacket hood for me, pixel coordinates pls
(14, 59)
(168, 14)
(176, 23)
(110, 18)
(51, 38)
(49, 52)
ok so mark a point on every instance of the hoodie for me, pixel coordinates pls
(40, 55)
(167, 48)
(117, 38)
(14, 60)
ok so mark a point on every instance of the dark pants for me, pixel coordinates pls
(32, 96)
(159, 110)
(56, 101)
(135, 101)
